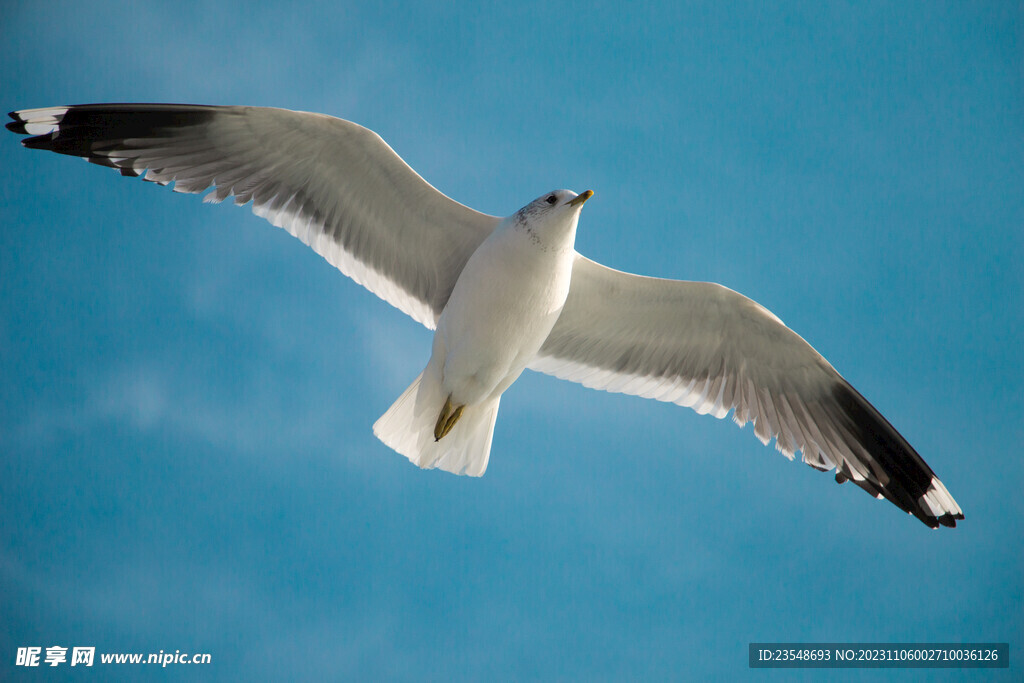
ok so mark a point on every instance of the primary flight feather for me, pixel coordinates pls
(502, 294)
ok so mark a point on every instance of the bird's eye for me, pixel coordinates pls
(551, 199)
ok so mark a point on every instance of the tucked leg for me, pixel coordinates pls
(447, 419)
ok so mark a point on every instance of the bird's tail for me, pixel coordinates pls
(408, 427)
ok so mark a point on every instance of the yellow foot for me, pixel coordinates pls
(447, 419)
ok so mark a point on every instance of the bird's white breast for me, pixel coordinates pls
(501, 310)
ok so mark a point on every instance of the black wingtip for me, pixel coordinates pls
(87, 128)
(49, 143)
(950, 520)
(898, 473)
(17, 125)
(947, 520)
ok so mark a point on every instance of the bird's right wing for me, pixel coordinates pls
(335, 185)
(704, 346)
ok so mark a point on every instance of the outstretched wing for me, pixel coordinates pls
(704, 346)
(335, 185)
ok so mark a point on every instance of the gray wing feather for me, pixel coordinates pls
(704, 346)
(333, 184)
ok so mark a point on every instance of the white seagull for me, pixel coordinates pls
(503, 294)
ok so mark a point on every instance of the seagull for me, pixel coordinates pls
(501, 294)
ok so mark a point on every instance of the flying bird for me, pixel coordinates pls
(501, 294)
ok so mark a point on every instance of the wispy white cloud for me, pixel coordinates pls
(265, 416)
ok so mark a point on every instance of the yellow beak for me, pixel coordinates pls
(580, 198)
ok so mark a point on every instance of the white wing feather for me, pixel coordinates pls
(704, 346)
(335, 185)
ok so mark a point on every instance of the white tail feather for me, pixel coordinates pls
(408, 427)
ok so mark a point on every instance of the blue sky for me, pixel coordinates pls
(186, 454)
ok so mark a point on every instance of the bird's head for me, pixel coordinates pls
(551, 219)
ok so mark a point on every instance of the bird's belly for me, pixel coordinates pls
(492, 327)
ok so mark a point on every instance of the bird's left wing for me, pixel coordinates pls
(335, 185)
(701, 345)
